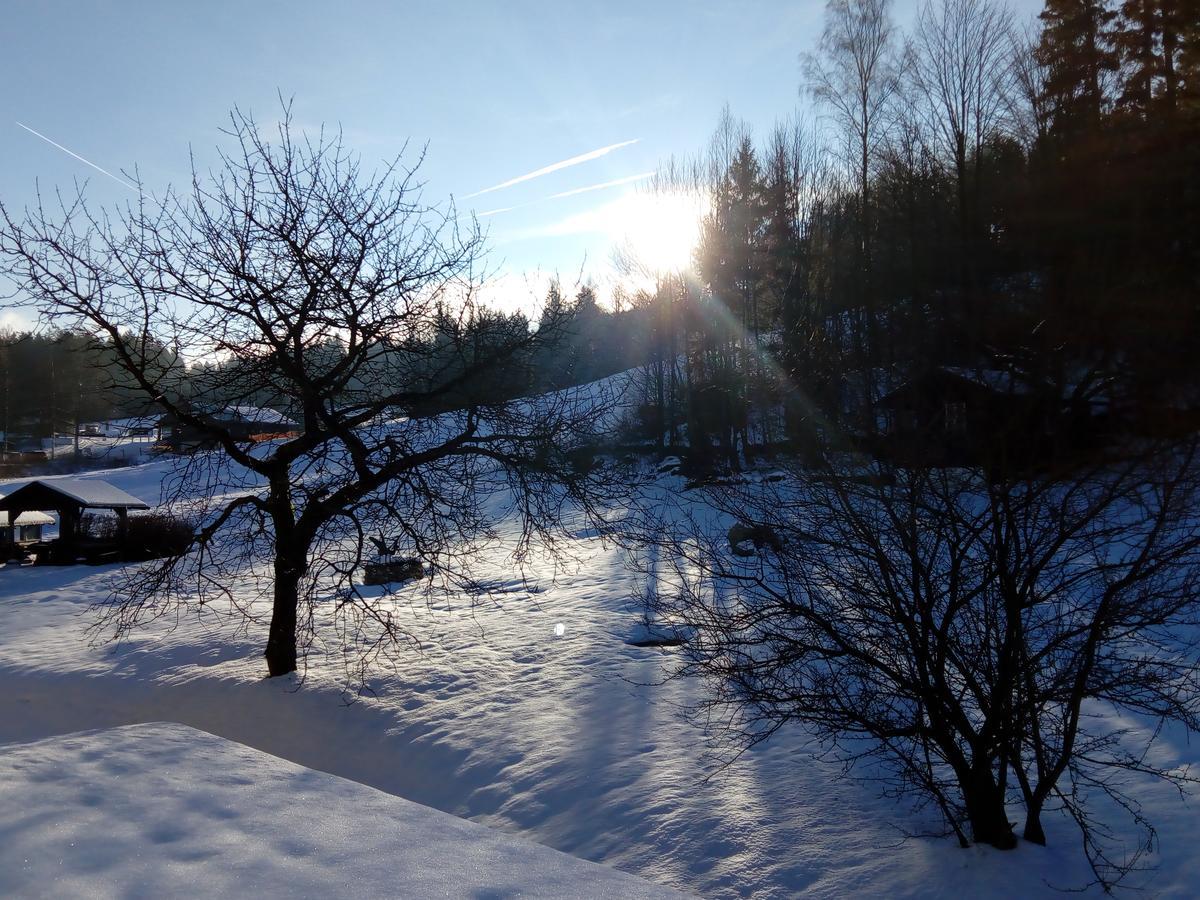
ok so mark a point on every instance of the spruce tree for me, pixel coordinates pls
(1078, 52)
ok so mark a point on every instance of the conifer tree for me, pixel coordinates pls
(1076, 48)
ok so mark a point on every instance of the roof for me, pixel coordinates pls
(995, 382)
(257, 414)
(27, 518)
(85, 492)
(121, 427)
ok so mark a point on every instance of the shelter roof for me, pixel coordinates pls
(88, 493)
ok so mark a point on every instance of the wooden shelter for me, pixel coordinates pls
(20, 531)
(70, 498)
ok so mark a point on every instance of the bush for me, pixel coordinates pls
(157, 536)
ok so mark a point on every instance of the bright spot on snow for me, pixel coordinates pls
(560, 629)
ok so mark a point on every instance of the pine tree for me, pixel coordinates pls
(1137, 38)
(1187, 17)
(1077, 50)
(1156, 41)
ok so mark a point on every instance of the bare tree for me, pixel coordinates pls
(985, 638)
(343, 301)
(855, 74)
(1028, 108)
(961, 65)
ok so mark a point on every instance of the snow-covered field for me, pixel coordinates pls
(499, 718)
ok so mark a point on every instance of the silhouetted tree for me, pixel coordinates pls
(285, 253)
(966, 632)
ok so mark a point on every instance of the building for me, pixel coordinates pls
(958, 416)
(70, 498)
(25, 529)
(244, 424)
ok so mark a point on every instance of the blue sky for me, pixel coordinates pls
(496, 90)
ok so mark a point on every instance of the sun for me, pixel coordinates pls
(660, 229)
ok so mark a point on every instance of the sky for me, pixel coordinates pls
(587, 94)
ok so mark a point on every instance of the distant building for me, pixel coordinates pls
(245, 423)
(128, 427)
(959, 416)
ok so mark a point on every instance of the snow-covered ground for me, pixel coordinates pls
(167, 811)
(551, 734)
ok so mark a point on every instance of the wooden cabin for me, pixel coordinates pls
(244, 423)
(952, 416)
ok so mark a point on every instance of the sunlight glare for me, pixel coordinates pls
(661, 229)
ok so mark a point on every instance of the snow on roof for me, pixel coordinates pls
(89, 492)
(27, 518)
(163, 810)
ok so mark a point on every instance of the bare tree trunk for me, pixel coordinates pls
(1033, 822)
(985, 808)
(281, 638)
(281, 642)
(290, 564)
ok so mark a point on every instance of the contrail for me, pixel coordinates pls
(78, 157)
(616, 182)
(554, 167)
(599, 187)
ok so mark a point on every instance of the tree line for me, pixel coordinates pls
(976, 193)
(53, 381)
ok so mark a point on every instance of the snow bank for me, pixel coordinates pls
(163, 810)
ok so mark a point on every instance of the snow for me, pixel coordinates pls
(163, 810)
(113, 451)
(26, 518)
(90, 492)
(527, 709)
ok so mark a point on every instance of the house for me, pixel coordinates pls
(244, 424)
(958, 416)
(128, 427)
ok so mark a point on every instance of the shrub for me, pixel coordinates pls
(157, 536)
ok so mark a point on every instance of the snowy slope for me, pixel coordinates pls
(166, 811)
(560, 738)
